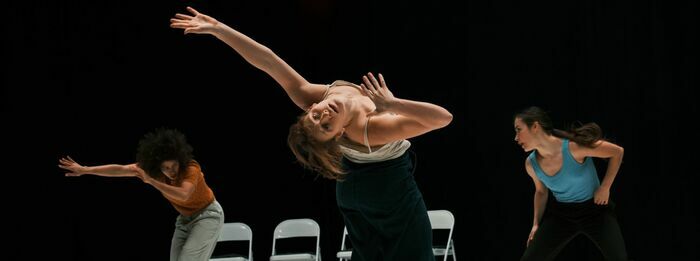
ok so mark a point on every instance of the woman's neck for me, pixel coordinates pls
(550, 146)
(358, 107)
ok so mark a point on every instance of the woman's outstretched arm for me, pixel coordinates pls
(109, 170)
(302, 93)
(181, 192)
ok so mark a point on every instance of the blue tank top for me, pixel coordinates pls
(575, 182)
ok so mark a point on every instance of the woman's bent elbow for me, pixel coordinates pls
(446, 120)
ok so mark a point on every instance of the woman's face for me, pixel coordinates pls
(170, 168)
(523, 136)
(327, 118)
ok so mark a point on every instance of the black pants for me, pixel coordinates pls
(563, 221)
(384, 212)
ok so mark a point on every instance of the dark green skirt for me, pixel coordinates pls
(384, 211)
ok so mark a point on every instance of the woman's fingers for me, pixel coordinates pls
(66, 161)
(183, 16)
(374, 81)
(369, 85)
(365, 91)
(381, 81)
(191, 10)
(181, 25)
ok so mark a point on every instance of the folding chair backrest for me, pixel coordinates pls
(236, 231)
(303, 227)
(443, 219)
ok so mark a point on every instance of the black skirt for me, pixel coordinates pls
(384, 211)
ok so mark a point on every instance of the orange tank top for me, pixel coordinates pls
(200, 198)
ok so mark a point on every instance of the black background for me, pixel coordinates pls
(88, 79)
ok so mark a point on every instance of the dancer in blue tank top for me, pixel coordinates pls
(562, 162)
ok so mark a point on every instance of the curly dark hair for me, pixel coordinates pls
(162, 145)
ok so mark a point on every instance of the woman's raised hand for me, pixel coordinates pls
(75, 169)
(196, 23)
(378, 92)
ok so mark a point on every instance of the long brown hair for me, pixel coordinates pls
(584, 134)
(323, 157)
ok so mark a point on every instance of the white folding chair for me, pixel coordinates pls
(344, 254)
(297, 228)
(236, 232)
(443, 219)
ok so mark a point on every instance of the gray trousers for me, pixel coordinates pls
(195, 237)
